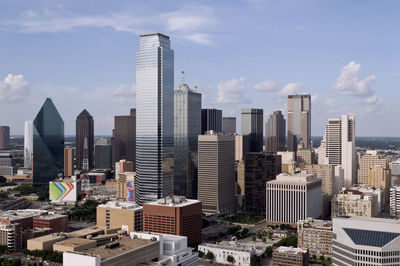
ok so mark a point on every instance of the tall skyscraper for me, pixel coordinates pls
(187, 126)
(368, 161)
(4, 137)
(28, 144)
(69, 161)
(155, 118)
(84, 141)
(229, 125)
(216, 188)
(275, 132)
(299, 121)
(252, 125)
(102, 156)
(339, 148)
(48, 144)
(124, 138)
(211, 119)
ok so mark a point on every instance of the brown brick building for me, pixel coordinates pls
(174, 215)
(289, 256)
(56, 222)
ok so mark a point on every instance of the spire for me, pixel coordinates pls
(182, 77)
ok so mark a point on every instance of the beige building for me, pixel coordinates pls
(304, 157)
(45, 242)
(126, 186)
(241, 146)
(69, 161)
(354, 203)
(367, 162)
(316, 236)
(380, 177)
(298, 121)
(288, 161)
(240, 177)
(327, 174)
(216, 172)
(290, 256)
(74, 244)
(11, 236)
(127, 215)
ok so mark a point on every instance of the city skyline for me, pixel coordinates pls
(340, 80)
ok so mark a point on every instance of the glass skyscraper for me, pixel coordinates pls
(48, 144)
(299, 122)
(84, 141)
(252, 125)
(187, 127)
(154, 118)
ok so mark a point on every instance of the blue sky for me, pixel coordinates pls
(239, 53)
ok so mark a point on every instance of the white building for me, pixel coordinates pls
(338, 147)
(173, 249)
(291, 198)
(395, 201)
(366, 241)
(28, 144)
(379, 192)
(241, 253)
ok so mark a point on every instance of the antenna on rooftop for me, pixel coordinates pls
(183, 77)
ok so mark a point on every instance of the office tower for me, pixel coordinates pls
(366, 241)
(242, 146)
(275, 132)
(331, 184)
(6, 168)
(11, 236)
(216, 172)
(28, 144)
(240, 178)
(102, 156)
(48, 144)
(354, 203)
(379, 192)
(123, 166)
(4, 137)
(187, 126)
(290, 256)
(299, 122)
(69, 161)
(395, 173)
(379, 177)
(260, 167)
(124, 138)
(115, 214)
(84, 141)
(368, 161)
(252, 125)
(339, 148)
(293, 197)
(155, 117)
(316, 236)
(304, 157)
(288, 159)
(229, 125)
(395, 201)
(211, 119)
(174, 215)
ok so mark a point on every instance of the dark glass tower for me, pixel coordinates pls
(275, 133)
(124, 138)
(84, 141)
(48, 144)
(252, 125)
(211, 119)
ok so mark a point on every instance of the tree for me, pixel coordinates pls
(322, 257)
(3, 249)
(264, 239)
(254, 259)
(253, 238)
(230, 259)
(3, 179)
(314, 257)
(244, 232)
(259, 235)
(209, 255)
(201, 254)
(268, 251)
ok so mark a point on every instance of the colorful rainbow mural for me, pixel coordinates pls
(59, 190)
(130, 191)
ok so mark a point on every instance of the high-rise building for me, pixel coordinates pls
(299, 122)
(339, 148)
(84, 141)
(69, 161)
(28, 144)
(124, 138)
(260, 167)
(242, 146)
(187, 126)
(288, 159)
(379, 177)
(6, 166)
(48, 144)
(102, 156)
(395, 173)
(354, 203)
(216, 172)
(304, 157)
(379, 192)
(293, 197)
(155, 118)
(331, 184)
(174, 215)
(127, 215)
(366, 241)
(4, 137)
(395, 201)
(229, 125)
(316, 236)
(275, 132)
(368, 161)
(211, 119)
(252, 125)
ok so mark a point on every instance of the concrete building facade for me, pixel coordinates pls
(127, 215)
(354, 203)
(299, 122)
(316, 236)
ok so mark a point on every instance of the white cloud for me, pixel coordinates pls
(274, 90)
(126, 93)
(231, 91)
(348, 84)
(268, 85)
(199, 38)
(14, 88)
(290, 88)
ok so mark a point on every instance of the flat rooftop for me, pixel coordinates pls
(91, 231)
(125, 245)
(227, 246)
(298, 178)
(74, 242)
(121, 205)
(50, 216)
(49, 237)
(174, 201)
(291, 250)
(13, 215)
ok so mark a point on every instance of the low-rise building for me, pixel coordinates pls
(13, 204)
(127, 215)
(354, 203)
(56, 222)
(11, 236)
(241, 253)
(290, 256)
(45, 242)
(379, 192)
(316, 236)
(74, 244)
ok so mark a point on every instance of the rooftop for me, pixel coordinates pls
(297, 178)
(91, 231)
(49, 237)
(229, 246)
(121, 205)
(291, 250)
(74, 242)
(173, 201)
(50, 216)
(13, 215)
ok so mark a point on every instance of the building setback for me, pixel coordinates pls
(275, 133)
(84, 141)
(299, 122)
(211, 119)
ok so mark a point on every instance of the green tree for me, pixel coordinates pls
(244, 232)
(209, 255)
(264, 239)
(269, 250)
(254, 259)
(253, 238)
(230, 259)
(3, 179)
(3, 249)
(259, 235)
(322, 257)
(201, 254)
